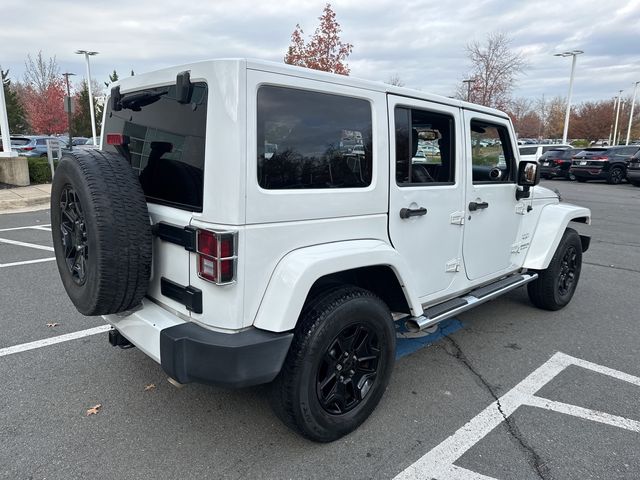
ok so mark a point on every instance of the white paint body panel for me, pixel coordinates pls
(297, 272)
(552, 222)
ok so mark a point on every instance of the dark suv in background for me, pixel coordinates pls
(556, 163)
(603, 163)
(633, 170)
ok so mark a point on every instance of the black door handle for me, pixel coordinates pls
(473, 206)
(412, 212)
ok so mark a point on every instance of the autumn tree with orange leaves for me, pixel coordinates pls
(324, 50)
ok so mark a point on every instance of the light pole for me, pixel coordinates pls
(4, 123)
(469, 81)
(633, 104)
(88, 54)
(574, 54)
(615, 128)
(67, 107)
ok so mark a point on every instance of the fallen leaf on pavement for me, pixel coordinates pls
(94, 410)
(52, 324)
(151, 386)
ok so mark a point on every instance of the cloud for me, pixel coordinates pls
(421, 41)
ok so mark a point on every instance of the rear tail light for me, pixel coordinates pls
(600, 158)
(117, 139)
(216, 256)
(27, 149)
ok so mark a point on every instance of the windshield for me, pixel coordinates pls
(166, 142)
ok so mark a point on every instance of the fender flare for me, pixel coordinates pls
(297, 271)
(552, 223)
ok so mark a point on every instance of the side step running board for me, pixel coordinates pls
(453, 307)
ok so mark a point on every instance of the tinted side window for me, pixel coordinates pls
(425, 147)
(166, 143)
(312, 140)
(491, 154)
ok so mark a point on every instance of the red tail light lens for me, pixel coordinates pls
(216, 256)
(117, 139)
(28, 149)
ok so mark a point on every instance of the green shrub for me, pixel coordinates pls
(39, 170)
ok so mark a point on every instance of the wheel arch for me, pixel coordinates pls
(552, 223)
(370, 264)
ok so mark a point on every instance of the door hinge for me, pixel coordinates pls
(457, 218)
(453, 265)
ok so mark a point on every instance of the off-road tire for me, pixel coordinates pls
(555, 286)
(294, 393)
(113, 232)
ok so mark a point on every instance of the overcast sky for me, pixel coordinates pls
(421, 41)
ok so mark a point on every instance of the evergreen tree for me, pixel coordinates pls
(112, 78)
(15, 111)
(81, 120)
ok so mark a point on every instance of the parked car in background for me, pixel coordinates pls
(603, 163)
(556, 163)
(534, 152)
(33, 146)
(15, 142)
(633, 170)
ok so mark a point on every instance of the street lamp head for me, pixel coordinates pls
(568, 54)
(86, 52)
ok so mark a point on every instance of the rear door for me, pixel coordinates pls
(164, 141)
(426, 194)
(492, 212)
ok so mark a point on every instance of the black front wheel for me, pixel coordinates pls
(338, 366)
(555, 286)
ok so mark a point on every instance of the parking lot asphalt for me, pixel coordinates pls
(586, 426)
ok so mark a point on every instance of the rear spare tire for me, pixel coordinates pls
(101, 232)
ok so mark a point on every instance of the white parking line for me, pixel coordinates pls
(46, 229)
(439, 462)
(25, 244)
(38, 227)
(53, 340)
(27, 262)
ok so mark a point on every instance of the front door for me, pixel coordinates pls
(426, 195)
(493, 215)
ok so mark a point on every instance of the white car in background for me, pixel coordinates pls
(534, 152)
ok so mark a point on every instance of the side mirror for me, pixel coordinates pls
(528, 176)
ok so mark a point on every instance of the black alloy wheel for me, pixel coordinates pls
(348, 369)
(616, 176)
(73, 230)
(339, 363)
(555, 285)
(568, 269)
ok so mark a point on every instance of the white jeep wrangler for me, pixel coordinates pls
(248, 222)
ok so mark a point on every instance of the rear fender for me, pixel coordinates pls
(553, 221)
(296, 273)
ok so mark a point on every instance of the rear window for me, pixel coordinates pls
(166, 143)
(528, 150)
(558, 153)
(18, 142)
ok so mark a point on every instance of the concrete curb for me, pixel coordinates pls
(25, 199)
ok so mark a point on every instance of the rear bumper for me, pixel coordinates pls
(191, 353)
(589, 172)
(554, 172)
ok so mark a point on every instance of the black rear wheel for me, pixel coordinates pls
(338, 366)
(616, 175)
